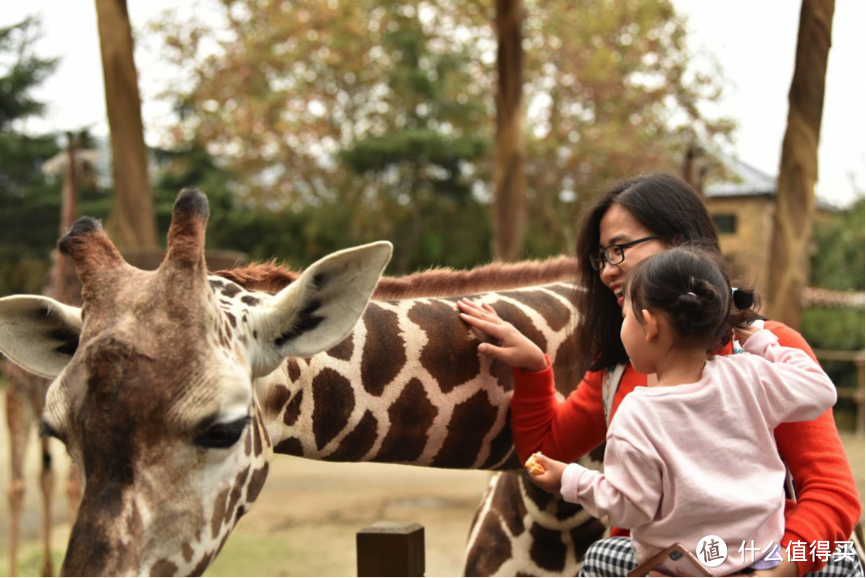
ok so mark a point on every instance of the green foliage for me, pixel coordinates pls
(378, 153)
(191, 166)
(835, 329)
(298, 239)
(30, 217)
(25, 73)
(375, 118)
(426, 142)
(839, 256)
(838, 263)
(302, 235)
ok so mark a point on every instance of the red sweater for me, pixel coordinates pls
(827, 506)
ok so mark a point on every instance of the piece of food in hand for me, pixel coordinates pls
(534, 465)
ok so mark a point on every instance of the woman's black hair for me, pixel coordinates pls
(666, 206)
(691, 286)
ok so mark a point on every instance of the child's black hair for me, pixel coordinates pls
(692, 287)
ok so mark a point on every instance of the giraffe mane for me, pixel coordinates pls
(271, 277)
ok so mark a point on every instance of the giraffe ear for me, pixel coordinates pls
(38, 333)
(319, 310)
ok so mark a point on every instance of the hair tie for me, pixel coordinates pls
(692, 294)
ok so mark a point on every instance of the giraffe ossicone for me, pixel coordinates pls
(153, 391)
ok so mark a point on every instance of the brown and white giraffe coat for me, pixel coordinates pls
(408, 386)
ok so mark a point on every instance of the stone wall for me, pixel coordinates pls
(747, 248)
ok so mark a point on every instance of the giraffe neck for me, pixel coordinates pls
(408, 386)
(62, 283)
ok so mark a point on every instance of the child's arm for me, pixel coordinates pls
(629, 491)
(797, 388)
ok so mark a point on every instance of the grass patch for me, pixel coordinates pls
(287, 553)
(30, 560)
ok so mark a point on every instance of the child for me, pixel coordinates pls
(694, 455)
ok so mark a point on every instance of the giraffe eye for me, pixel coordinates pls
(222, 435)
(46, 431)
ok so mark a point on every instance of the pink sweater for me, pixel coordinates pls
(686, 461)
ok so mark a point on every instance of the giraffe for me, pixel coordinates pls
(170, 470)
(407, 386)
(25, 393)
(153, 388)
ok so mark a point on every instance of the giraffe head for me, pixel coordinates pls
(153, 392)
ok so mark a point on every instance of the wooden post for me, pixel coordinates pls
(391, 549)
(859, 397)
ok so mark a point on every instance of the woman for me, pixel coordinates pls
(634, 220)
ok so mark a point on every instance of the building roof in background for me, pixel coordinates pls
(747, 182)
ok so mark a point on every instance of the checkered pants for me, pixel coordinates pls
(615, 557)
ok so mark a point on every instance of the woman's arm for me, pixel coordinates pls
(828, 505)
(563, 431)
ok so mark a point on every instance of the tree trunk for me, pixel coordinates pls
(692, 172)
(132, 223)
(509, 212)
(798, 171)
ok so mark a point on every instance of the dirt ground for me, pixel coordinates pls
(305, 520)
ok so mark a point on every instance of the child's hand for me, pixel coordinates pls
(514, 349)
(743, 335)
(551, 479)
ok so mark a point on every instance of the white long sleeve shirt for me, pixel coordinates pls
(686, 461)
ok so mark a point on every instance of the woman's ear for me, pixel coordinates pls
(650, 324)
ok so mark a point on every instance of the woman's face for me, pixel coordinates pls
(618, 226)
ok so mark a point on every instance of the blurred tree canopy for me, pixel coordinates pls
(31, 205)
(837, 261)
(376, 116)
(315, 125)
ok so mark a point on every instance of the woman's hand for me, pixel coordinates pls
(551, 480)
(514, 349)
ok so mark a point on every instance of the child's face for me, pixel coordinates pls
(634, 337)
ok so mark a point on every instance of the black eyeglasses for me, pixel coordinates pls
(614, 254)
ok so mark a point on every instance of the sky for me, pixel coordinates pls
(754, 42)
